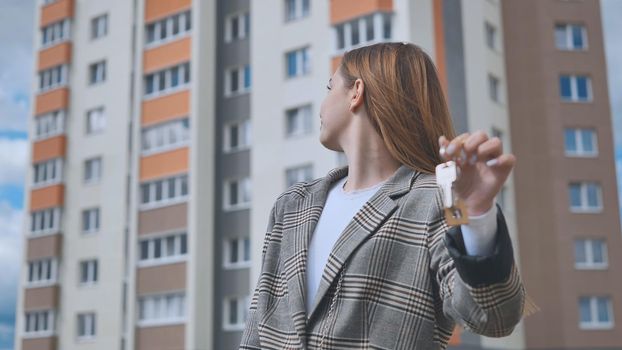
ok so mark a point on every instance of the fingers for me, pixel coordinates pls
(471, 148)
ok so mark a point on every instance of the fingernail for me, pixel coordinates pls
(443, 151)
(463, 156)
(492, 162)
(473, 159)
(451, 149)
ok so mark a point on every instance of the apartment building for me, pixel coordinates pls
(566, 198)
(163, 131)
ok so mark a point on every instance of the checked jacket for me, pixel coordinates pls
(406, 283)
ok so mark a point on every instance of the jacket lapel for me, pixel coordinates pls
(299, 221)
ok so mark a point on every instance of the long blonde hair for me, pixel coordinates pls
(404, 100)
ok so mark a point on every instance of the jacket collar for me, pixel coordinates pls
(300, 218)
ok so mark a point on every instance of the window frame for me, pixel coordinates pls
(574, 93)
(242, 184)
(55, 118)
(99, 30)
(242, 315)
(178, 256)
(594, 324)
(584, 208)
(97, 72)
(92, 272)
(569, 44)
(588, 251)
(158, 303)
(578, 137)
(151, 186)
(241, 262)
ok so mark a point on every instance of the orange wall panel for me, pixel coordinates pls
(167, 55)
(55, 55)
(44, 247)
(47, 197)
(156, 9)
(335, 62)
(41, 298)
(166, 108)
(161, 279)
(344, 10)
(45, 343)
(56, 11)
(52, 100)
(161, 337)
(164, 164)
(439, 39)
(53, 147)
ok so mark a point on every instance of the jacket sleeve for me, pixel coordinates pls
(250, 336)
(484, 294)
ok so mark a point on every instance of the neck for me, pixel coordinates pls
(366, 169)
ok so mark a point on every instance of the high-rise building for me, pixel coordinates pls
(163, 130)
(565, 183)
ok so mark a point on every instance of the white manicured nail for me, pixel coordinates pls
(492, 162)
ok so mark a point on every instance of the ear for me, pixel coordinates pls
(357, 97)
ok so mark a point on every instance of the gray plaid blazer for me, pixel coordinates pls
(407, 280)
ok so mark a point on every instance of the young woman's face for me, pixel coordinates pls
(334, 112)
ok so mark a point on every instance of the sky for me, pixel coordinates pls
(16, 74)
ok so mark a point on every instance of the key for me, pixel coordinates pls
(446, 175)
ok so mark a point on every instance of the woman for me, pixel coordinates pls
(364, 257)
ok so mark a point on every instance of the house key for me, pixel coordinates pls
(455, 211)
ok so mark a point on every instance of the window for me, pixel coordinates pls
(88, 271)
(39, 323)
(575, 88)
(55, 33)
(490, 32)
(163, 249)
(90, 220)
(46, 221)
(298, 174)
(237, 194)
(52, 78)
(95, 120)
(298, 62)
(590, 253)
(166, 136)
(237, 27)
(295, 9)
(237, 80)
(237, 253)
(50, 124)
(164, 191)
(167, 80)
(595, 312)
(493, 88)
(48, 172)
(585, 197)
(92, 170)
(99, 26)
(299, 121)
(86, 326)
(580, 142)
(161, 309)
(42, 271)
(363, 31)
(97, 72)
(169, 28)
(237, 136)
(235, 312)
(570, 37)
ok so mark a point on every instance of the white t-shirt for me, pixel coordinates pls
(340, 208)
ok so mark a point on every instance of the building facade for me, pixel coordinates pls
(163, 131)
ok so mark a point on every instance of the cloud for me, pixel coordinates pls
(13, 161)
(11, 226)
(16, 63)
